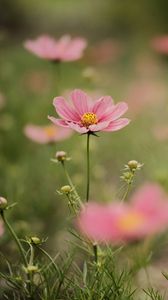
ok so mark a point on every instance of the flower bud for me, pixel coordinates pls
(31, 269)
(66, 189)
(35, 240)
(61, 155)
(3, 203)
(133, 165)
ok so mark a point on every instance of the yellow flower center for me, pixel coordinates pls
(130, 221)
(89, 118)
(50, 131)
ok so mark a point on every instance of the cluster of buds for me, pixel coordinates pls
(61, 156)
(31, 269)
(131, 167)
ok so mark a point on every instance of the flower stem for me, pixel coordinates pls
(70, 182)
(49, 258)
(88, 187)
(88, 168)
(21, 250)
(95, 252)
(127, 191)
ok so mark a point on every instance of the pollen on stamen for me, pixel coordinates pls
(89, 119)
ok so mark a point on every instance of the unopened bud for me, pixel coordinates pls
(3, 203)
(35, 240)
(66, 189)
(31, 269)
(61, 155)
(134, 165)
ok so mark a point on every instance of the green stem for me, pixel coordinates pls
(49, 258)
(70, 182)
(95, 252)
(88, 168)
(127, 191)
(88, 187)
(21, 250)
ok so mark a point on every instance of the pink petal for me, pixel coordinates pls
(74, 50)
(64, 110)
(97, 222)
(117, 124)
(77, 127)
(80, 101)
(116, 112)
(99, 126)
(102, 105)
(58, 122)
(44, 47)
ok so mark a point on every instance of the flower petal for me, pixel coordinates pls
(59, 122)
(117, 124)
(80, 101)
(74, 49)
(99, 126)
(64, 110)
(102, 105)
(77, 127)
(116, 112)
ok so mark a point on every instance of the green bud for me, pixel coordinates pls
(61, 155)
(66, 189)
(134, 165)
(35, 240)
(31, 269)
(3, 203)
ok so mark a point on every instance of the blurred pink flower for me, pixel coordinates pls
(64, 49)
(146, 214)
(160, 44)
(142, 94)
(88, 116)
(105, 51)
(161, 132)
(46, 134)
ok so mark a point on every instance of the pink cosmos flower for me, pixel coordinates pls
(46, 134)
(160, 44)
(146, 214)
(64, 49)
(87, 116)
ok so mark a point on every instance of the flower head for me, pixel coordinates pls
(146, 214)
(87, 116)
(64, 49)
(46, 134)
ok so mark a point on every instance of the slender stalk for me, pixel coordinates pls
(70, 182)
(88, 168)
(88, 186)
(127, 191)
(49, 258)
(95, 252)
(21, 250)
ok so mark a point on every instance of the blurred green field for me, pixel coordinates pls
(27, 174)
